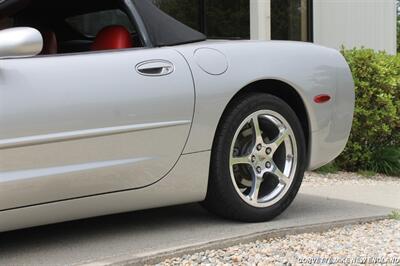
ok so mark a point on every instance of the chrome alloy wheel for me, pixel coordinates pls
(263, 158)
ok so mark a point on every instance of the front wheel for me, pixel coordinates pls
(258, 160)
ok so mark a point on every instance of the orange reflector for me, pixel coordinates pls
(323, 98)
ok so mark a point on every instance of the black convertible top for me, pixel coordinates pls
(9, 7)
(162, 29)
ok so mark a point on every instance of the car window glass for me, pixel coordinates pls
(218, 19)
(90, 24)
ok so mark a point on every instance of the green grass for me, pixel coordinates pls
(366, 173)
(395, 215)
(386, 161)
(331, 168)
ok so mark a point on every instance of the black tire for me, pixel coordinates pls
(222, 197)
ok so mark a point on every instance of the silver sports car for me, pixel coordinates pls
(112, 106)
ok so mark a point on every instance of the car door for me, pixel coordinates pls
(85, 124)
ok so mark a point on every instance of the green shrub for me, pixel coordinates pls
(376, 127)
(386, 161)
(395, 215)
(331, 168)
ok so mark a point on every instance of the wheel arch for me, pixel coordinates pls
(285, 92)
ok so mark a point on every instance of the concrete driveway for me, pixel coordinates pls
(386, 195)
(134, 236)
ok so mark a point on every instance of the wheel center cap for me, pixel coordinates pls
(261, 156)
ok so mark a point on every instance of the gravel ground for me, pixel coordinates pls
(315, 179)
(379, 242)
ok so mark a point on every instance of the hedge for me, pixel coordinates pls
(375, 139)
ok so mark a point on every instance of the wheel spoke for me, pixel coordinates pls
(240, 160)
(283, 179)
(283, 135)
(255, 188)
(257, 130)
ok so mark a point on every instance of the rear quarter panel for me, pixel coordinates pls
(310, 69)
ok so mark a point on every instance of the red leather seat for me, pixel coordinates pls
(50, 45)
(112, 37)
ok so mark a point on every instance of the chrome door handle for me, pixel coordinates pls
(155, 68)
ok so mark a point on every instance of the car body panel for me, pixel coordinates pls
(310, 69)
(186, 183)
(70, 129)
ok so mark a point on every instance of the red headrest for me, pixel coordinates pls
(49, 43)
(112, 37)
